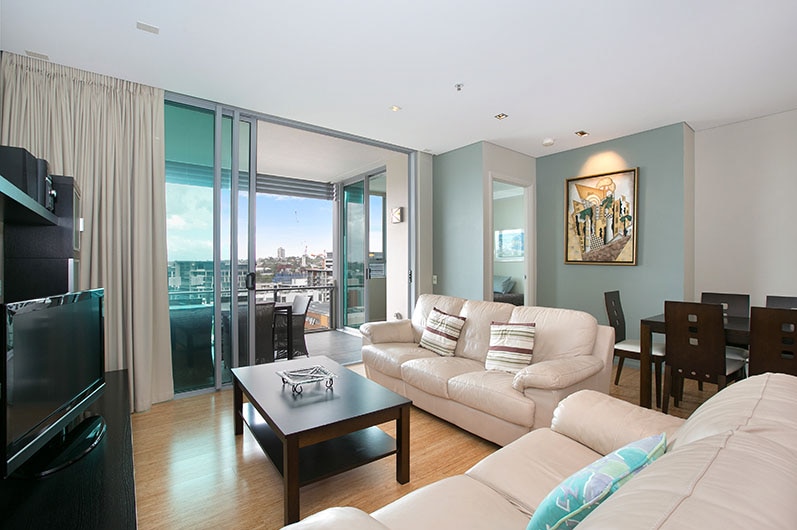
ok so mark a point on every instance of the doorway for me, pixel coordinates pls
(510, 247)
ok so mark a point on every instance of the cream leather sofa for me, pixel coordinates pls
(571, 352)
(731, 465)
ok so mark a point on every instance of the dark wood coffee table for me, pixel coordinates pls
(320, 432)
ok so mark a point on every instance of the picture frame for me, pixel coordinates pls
(601, 213)
(509, 245)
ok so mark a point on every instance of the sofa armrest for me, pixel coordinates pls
(391, 331)
(557, 374)
(341, 517)
(604, 423)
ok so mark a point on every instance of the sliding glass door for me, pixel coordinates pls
(364, 250)
(208, 156)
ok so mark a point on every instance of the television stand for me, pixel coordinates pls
(66, 449)
(96, 491)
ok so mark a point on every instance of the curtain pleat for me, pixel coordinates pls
(108, 134)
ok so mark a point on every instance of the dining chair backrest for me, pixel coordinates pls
(733, 305)
(782, 302)
(695, 339)
(264, 332)
(300, 304)
(773, 340)
(614, 310)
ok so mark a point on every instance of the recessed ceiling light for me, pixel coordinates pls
(143, 26)
(395, 108)
(548, 142)
(582, 133)
(501, 116)
(37, 55)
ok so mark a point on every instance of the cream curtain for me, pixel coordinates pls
(108, 134)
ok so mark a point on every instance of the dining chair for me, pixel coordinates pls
(625, 348)
(299, 308)
(773, 340)
(782, 302)
(264, 332)
(733, 305)
(695, 347)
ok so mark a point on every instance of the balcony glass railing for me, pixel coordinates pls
(191, 321)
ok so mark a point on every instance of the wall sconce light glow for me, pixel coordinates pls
(395, 108)
(548, 142)
(501, 116)
(582, 134)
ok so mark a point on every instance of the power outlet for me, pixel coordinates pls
(434, 279)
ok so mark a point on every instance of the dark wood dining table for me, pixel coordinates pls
(737, 333)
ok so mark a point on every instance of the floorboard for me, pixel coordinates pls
(193, 472)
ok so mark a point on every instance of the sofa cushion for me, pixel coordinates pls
(454, 502)
(511, 346)
(758, 406)
(526, 470)
(578, 495)
(475, 337)
(388, 357)
(431, 374)
(729, 480)
(560, 332)
(605, 423)
(424, 306)
(492, 392)
(503, 284)
(338, 517)
(442, 332)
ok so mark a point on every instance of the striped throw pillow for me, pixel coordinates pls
(511, 346)
(442, 332)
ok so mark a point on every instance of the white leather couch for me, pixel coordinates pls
(571, 352)
(731, 465)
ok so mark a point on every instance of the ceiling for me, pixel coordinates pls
(611, 68)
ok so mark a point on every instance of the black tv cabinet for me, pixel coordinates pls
(97, 491)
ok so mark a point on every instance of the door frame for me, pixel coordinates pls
(529, 230)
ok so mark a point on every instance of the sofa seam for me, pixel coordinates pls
(694, 483)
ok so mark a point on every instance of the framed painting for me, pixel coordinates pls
(601, 218)
(509, 245)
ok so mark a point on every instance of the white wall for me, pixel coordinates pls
(424, 240)
(745, 188)
(397, 261)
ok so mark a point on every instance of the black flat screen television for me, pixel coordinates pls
(54, 370)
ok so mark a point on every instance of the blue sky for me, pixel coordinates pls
(288, 222)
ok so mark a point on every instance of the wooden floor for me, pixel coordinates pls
(192, 472)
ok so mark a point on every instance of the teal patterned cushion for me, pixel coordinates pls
(575, 498)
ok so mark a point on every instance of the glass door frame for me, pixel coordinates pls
(235, 173)
(365, 179)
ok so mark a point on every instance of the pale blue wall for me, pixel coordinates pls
(659, 273)
(458, 217)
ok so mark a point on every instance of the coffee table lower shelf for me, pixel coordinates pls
(324, 459)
